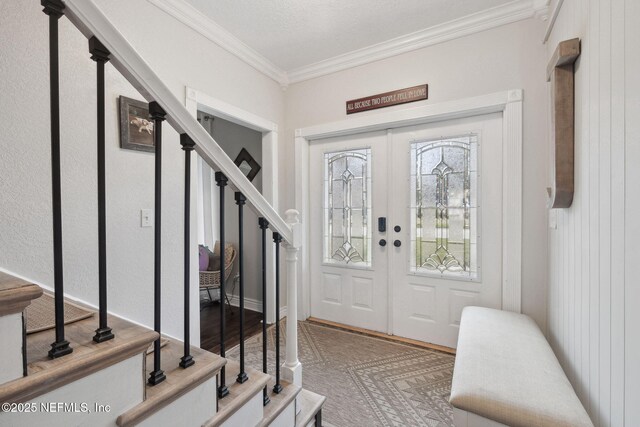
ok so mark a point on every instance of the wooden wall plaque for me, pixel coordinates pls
(561, 75)
(387, 99)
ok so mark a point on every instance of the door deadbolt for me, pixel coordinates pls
(382, 224)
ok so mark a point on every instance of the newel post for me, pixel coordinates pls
(292, 369)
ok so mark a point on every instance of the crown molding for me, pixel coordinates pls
(508, 13)
(514, 11)
(194, 19)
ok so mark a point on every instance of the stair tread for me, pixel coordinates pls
(279, 401)
(310, 404)
(16, 294)
(239, 394)
(179, 380)
(46, 374)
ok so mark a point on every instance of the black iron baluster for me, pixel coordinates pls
(55, 9)
(240, 201)
(25, 371)
(100, 54)
(264, 224)
(221, 180)
(277, 239)
(188, 146)
(157, 114)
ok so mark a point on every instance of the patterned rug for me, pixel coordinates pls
(367, 381)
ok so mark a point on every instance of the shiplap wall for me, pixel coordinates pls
(593, 294)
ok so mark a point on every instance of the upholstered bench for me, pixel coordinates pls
(506, 374)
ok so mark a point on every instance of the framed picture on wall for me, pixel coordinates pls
(247, 164)
(136, 127)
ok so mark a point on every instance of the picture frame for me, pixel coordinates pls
(136, 126)
(247, 164)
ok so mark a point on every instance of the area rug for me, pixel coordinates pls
(367, 381)
(40, 314)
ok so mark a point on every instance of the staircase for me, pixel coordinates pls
(104, 383)
(104, 370)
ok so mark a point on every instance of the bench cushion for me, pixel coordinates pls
(506, 371)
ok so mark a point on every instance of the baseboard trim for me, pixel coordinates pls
(253, 305)
(382, 335)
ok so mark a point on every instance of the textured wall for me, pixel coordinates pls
(593, 283)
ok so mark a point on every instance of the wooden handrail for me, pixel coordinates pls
(90, 20)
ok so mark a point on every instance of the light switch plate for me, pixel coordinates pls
(146, 218)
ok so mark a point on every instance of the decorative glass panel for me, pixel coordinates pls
(443, 210)
(347, 207)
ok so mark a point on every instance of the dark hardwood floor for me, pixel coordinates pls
(210, 326)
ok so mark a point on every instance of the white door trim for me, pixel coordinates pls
(507, 102)
(196, 100)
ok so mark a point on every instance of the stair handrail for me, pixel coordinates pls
(91, 21)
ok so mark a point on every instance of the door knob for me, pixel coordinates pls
(397, 228)
(397, 243)
(382, 242)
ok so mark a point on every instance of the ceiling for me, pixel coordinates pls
(293, 34)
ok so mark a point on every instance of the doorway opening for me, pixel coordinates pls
(222, 117)
(245, 144)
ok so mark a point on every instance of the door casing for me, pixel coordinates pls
(509, 103)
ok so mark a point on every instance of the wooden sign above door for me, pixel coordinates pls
(387, 99)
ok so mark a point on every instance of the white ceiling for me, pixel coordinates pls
(296, 33)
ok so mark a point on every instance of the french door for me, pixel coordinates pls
(349, 272)
(407, 227)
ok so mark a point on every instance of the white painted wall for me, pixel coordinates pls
(184, 58)
(500, 59)
(593, 294)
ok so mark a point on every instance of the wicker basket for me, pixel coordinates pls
(211, 279)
